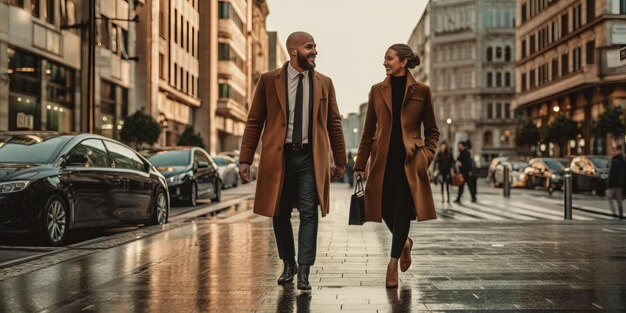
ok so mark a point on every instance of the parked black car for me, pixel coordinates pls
(546, 173)
(590, 173)
(51, 183)
(190, 173)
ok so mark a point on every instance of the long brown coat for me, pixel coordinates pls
(417, 110)
(268, 115)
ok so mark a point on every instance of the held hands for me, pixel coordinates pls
(244, 171)
(337, 171)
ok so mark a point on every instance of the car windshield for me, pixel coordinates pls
(30, 149)
(600, 162)
(171, 158)
(556, 165)
(219, 161)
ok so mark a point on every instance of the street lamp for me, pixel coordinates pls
(449, 122)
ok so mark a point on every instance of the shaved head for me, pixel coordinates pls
(296, 39)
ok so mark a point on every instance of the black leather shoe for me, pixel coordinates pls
(289, 270)
(303, 278)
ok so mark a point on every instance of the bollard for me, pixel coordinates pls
(567, 193)
(506, 185)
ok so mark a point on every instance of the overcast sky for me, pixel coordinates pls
(352, 37)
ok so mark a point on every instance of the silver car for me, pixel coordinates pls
(228, 169)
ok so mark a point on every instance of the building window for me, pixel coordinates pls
(182, 28)
(564, 24)
(193, 42)
(523, 48)
(533, 79)
(524, 82)
(162, 23)
(489, 54)
(622, 6)
(498, 79)
(591, 10)
(555, 68)
(524, 13)
(175, 26)
(188, 35)
(103, 32)
(576, 17)
(60, 85)
(576, 59)
(24, 90)
(225, 11)
(532, 44)
(555, 31)
(114, 40)
(564, 64)
(499, 53)
(488, 138)
(49, 12)
(489, 110)
(161, 65)
(507, 79)
(175, 75)
(590, 52)
(498, 110)
(507, 54)
(489, 79)
(180, 87)
(507, 110)
(226, 92)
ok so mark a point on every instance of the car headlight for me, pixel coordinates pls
(13, 186)
(176, 179)
(553, 176)
(604, 176)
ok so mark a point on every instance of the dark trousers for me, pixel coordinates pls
(470, 180)
(298, 187)
(398, 215)
(445, 181)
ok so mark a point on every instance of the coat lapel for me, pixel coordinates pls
(386, 90)
(411, 86)
(317, 95)
(279, 83)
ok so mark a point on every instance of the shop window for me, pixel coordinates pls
(488, 138)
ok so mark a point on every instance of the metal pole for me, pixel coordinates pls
(91, 68)
(567, 193)
(506, 185)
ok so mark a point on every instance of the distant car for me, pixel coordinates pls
(190, 173)
(228, 169)
(235, 155)
(546, 173)
(517, 178)
(590, 173)
(491, 170)
(52, 182)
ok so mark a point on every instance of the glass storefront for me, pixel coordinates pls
(112, 111)
(30, 108)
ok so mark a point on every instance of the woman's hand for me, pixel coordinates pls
(359, 174)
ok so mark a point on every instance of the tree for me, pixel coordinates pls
(527, 135)
(611, 122)
(140, 128)
(189, 138)
(561, 130)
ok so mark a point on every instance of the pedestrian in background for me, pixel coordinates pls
(614, 192)
(398, 188)
(465, 166)
(350, 169)
(444, 163)
(295, 109)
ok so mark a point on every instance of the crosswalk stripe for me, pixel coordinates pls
(577, 212)
(548, 211)
(498, 211)
(464, 208)
(527, 210)
(451, 213)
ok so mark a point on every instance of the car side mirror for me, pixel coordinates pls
(202, 164)
(75, 159)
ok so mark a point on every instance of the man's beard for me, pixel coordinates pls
(304, 62)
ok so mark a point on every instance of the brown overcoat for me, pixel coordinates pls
(417, 110)
(268, 115)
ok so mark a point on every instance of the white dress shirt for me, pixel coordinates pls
(292, 85)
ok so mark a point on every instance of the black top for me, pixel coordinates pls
(397, 152)
(445, 162)
(616, 171)
(466, 162)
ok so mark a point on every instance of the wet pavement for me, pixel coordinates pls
(226, 263)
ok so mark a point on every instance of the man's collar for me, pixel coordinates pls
(293, 73)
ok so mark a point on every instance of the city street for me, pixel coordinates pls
(496, 254)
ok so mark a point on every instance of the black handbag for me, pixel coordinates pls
(357, 205)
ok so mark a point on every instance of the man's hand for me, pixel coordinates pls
(338, 171)
(244, 172)
(359, 175)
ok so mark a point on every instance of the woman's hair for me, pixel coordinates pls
(406, 53)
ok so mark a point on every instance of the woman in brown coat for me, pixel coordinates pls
(398, 188)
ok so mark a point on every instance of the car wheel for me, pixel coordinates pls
(193, 195)
(161, 209)
(218, 192)
(54, 222)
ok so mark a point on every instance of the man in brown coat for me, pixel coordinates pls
(295, 109)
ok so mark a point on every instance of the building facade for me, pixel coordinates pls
(169, 69)
(568, 62)
(277, 55)
(467, 59)
(39, 66)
